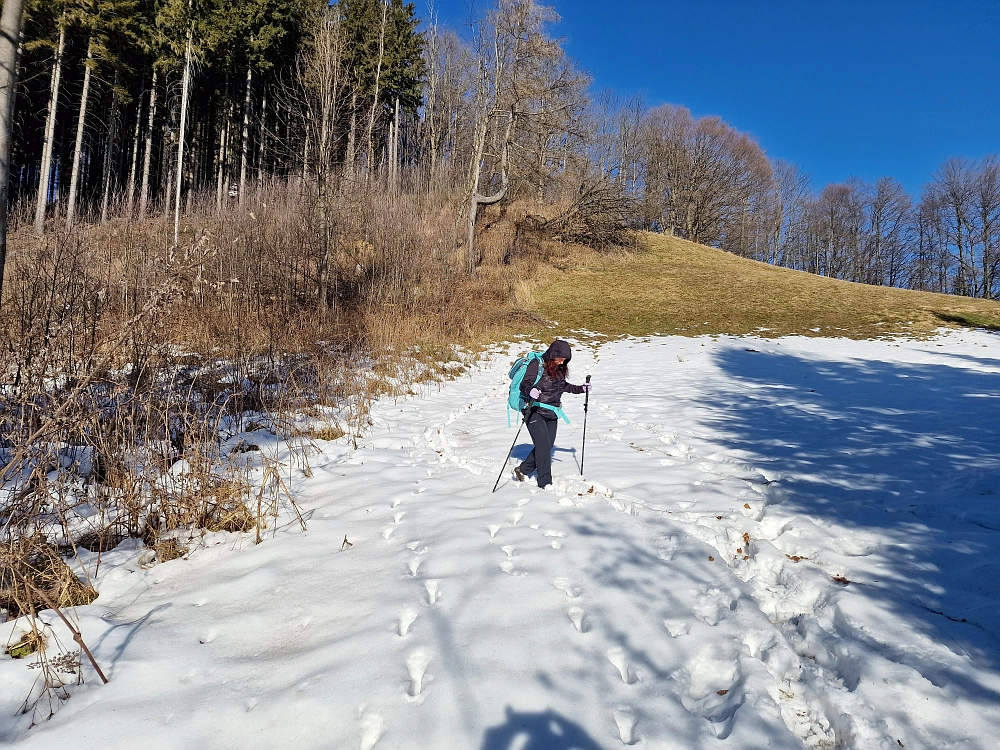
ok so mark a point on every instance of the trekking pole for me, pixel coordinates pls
(504, 467)
(583, 448)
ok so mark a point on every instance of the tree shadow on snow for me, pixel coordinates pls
(908, 452)
(537, 731)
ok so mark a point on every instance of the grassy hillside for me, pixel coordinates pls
(678, 287)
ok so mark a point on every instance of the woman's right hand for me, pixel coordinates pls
(534, 393)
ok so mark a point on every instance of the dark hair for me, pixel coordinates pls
(556, 372)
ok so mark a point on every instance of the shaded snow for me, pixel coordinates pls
(789, 547)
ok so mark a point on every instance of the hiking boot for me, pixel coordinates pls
(518, 474)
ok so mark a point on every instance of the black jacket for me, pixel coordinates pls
(551, 389)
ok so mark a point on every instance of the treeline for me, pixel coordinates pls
(136, 107)
(703, 180)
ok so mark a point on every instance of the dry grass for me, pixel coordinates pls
(28, 644)
(677, 287)
(30, 565)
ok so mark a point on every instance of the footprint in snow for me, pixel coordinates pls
(372, 729)
(714, 690)
(579, 619)
(626, 720)
(616, 656)
(433, 592)
(416, 668)
(494, 528)
(714, 604)
(398, 517)
(567, 587)
(406, 619)
(677, 628)
(508, 565)
(387, 533)
(414, 566)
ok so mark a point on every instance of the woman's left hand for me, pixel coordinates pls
(586, 387)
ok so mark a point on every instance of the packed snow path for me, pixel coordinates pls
(778, 544)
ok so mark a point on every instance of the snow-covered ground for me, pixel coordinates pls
(777, 544)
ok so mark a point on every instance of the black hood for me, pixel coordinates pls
(558, 349)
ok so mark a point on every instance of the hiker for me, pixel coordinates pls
(544, 408)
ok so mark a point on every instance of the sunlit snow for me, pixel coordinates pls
(777, 544)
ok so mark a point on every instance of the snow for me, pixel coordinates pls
(777, 544)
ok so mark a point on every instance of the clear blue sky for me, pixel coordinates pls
(840, 87)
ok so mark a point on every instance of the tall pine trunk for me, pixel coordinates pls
(220, 186)
(81, 122)
(185, 95)
(45, 169)
(109, 148)
(351, 156)
(148, 154)
(10, 36)
(245, 144)
(262, 143)
(134, 165)
(378, 83)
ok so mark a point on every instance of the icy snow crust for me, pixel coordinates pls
(777, 544)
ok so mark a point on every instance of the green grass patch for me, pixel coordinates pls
(672, 286)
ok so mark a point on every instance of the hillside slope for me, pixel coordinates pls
(678, 287)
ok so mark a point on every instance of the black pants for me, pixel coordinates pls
(543, 435)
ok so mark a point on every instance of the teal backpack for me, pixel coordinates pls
(516, 401)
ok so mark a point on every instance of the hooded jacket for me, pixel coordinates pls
(551, 389)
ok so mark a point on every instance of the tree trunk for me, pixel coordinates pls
(378, 83)
(245, 145)
(220, 186)
(10, 38)
(45, 169)
(476, 200)
(305, 157)
(394, 158)
(109, 147)
(147, 157)
(351, 156)
(185, 95)
(81, 122)
(262, 142)
(134, 165)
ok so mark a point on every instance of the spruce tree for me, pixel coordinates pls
(386, 62)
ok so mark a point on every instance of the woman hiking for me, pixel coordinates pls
(542, 422)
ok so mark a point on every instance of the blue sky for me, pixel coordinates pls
(840, 87)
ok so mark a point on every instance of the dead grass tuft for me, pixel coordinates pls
(167, 550)
(29, 565)
(29, 643)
